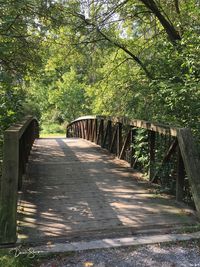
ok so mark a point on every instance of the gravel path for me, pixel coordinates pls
(186, 255)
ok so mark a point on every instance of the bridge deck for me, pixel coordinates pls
(76, 189)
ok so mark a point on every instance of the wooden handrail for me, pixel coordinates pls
(156, 127)
(18, 141)
(107, 132)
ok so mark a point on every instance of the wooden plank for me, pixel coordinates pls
(78, 222)
(191, 159)
(159, 128)
(111, 243)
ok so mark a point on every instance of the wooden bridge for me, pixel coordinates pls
(91, 184)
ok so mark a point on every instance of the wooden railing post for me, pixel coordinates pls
(96, 131)
(152, 138)
(81, 129)
(9, 187)
(108, 135)
(112, 147)
(180, 177)
(18, 140)
(191, 159)
(119, 138)
(100, 134)
(90, 129)
(86, 123)
(132, 141)
(22, 161)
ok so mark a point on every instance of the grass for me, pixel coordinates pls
(9, 258)
(45, 135)
(52, 130)
(13, 258)
(190, 229)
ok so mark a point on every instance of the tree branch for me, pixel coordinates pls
(172, 33)
(122, 47)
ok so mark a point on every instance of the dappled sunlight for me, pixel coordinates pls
(74, 188)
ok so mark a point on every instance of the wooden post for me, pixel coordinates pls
(113, 142)
(84, 129)
(91, 128)
(75, 129)
(100, 133)
(87, 128)
(22, 160)
(79, 129)
(96, 131)
(119, 138)
(152, 139)
(110, 134)
(18, 140)
(191, 159)
(107, 135)
(9, 187)
(180, 178)
(132, 141)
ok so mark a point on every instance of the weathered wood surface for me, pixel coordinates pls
(74, 189)
(191, 160)
(18, 140)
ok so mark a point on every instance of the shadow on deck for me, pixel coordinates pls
(74, 189)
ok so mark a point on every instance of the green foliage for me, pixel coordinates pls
(9, 259)
(52, 128)
(63, 59)
(141, 151)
